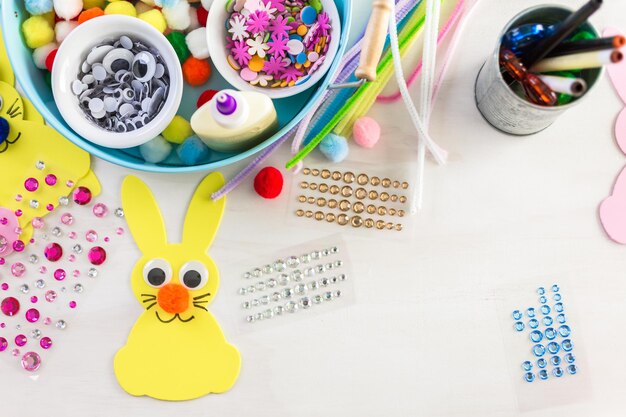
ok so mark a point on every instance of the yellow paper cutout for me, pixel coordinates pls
(183, 355)
(6, 71)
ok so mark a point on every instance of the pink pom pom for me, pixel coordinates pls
(366, 132)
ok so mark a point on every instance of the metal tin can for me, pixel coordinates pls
(502, 107)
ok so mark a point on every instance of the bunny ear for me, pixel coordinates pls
(143, 215)
(204, 215)
(617, 72)
(6, 72)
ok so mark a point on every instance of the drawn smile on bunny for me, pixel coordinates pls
(176, 350)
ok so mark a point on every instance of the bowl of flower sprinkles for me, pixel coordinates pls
(277, 47)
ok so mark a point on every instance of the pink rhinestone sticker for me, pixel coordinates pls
(72, 304)
(3, 344)
(59, 274)
(82, 196)
(51, 179)
(10, 306)
(91, 236)
(45, 342)
(20, 340)
(31, 361)
(32, 315)
(67, 219)
(18, 246)
(31, 184)
(51, 296)
(18, 269)
(53, 252)
(100, 210)
(97, 255)
(38, 223)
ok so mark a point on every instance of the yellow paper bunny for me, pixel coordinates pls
(25, 140)
(176, 350)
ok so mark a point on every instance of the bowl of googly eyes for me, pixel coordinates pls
(276, 48)
(117, 81)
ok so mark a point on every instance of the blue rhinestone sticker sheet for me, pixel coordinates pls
(544, 347)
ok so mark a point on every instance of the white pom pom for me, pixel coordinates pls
(177, 17)
(40, 54)
(63, 28)
(207, 4)
(197, 43)
(193, 19)
(68, 9)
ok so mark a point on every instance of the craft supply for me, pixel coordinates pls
(196, 71)
(571, 86)
(41, 54)
(588, 45)
(176, 321)
(313, 277)
(90, 14)
(233, 121)
(366, 132)
(178, 130)
(192, 151)
(374, 39)
(196, 41)
(537, 91)
(38, 6)
(263, 45)
(205, 97)
(68, 9)
(177, 40)
(561, 32)
(504, 103)
(62, 29)
(268, 183)
(334, 147)
(37, 32)
(128, 9)
(579, 61)
(155, 18)
(177, 15)
(125, 86)
(156, 150)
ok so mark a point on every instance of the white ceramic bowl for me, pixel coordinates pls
(72, 54)
(216, 37)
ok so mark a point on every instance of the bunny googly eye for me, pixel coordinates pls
(1, 103)
(157, 273)
(144, 66)
(194, 275)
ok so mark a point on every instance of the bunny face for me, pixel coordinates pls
(11, 108)
(175, 282)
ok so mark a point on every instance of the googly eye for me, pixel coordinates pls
(117, 60)
(157, 273)
(144, 66)
(194, 275)
(1, 103)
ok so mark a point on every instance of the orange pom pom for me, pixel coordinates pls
(90, 14)
(196, 71)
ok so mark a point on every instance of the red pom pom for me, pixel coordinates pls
(268, 183)
(202, 14)
(205, 97)
(50, 59)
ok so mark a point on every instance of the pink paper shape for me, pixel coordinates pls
(613, 211)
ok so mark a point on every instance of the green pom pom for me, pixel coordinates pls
(177, 39)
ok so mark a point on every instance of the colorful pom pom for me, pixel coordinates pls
(156, 150)
(88, 4)
(196, 71)
(90, 14)
(166, 3)
(62, 29)
(50, 59)
(122, 7)
(177, 16)
(193, 151)
(205, 97)
(193, 19)
(197, 43)
(37, 31)
(155, 18)
(334, 147)
(366, 132)
(68, 9)
(35, 7)
(177, 40)
(268, 183)
(40, 54)
(202, 14)
(178, 130)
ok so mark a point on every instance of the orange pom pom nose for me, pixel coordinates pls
(173, 298)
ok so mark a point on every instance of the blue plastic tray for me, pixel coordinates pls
(31, 79)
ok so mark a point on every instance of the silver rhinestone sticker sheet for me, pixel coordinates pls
(298, 282)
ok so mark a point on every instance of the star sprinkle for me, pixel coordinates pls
(257, 46)
(238, 28)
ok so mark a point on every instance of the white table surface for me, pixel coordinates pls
(423, 337)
